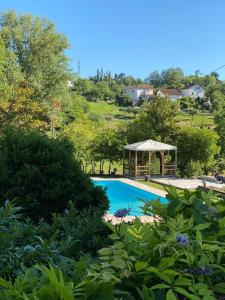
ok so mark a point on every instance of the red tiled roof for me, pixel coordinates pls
(170, 92)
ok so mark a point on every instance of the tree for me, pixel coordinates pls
(9, 72)
(39, 51)
(197, 145)
(220, 128)
(215, 74)
(155, 79)
(217, 99)
(157, 122)
(81, 132)
(124, 100)
(20, 111)
(108, 146)
(172, 78)
(43, 176)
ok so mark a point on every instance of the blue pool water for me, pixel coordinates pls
(122, 195)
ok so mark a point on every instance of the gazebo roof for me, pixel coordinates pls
(149, 145)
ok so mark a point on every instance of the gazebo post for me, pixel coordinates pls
(149, 162)
(135, 165)
(162, 162)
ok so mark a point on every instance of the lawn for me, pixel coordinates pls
(109, 111)
(203, 120)
(152, 184)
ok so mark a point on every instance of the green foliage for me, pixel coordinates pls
(21, 111)
(147, 261)
(157, 122)
(96, 91)
(124, 100)
(194, 169)
(77, 232)
(39, 51)
(220, 128)
(171, 78)
(195, 144)
(42, 175)
(9, 72)
(108, 145)
(70, 235)
(181, 256)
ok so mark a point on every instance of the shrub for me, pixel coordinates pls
(71, 235)
(194, 169)
(197, 145)
(182, 256)
(124, 100)
(42, 175)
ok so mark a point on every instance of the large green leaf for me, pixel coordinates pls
(170, 295)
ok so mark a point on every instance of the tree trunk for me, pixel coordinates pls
(109, 167)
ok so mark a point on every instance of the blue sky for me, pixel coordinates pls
(136, 36)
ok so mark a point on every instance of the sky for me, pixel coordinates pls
(136, 37)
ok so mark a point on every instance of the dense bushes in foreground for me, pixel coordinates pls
(42, 175)
(182, 256)
(70, 235)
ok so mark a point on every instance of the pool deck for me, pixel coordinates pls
(190, 184)
(144, 219)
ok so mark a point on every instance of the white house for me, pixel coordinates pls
(138, 91)
(194, 91)
(173, 94)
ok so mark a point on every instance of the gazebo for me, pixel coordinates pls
(138, 159)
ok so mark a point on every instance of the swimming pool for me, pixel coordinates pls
(122, 195)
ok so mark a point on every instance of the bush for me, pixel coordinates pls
(124, 100)
(71, 235)
(199, 145)
(182, 256)
(42, 175)
(194, 169)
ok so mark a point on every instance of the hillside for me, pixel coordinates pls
(103, 110)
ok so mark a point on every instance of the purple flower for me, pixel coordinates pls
(212, 210)
(182, 240)
(122, 212)
(203, 270)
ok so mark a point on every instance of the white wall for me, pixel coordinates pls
(172, 97)
(136, 93)
(194, 92)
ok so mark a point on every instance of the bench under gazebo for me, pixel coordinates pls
(138, 158)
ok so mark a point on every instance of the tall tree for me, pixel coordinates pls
(39, 51)
(9, 72)
(197, 145)
(220, 128)
(172, 78)
(155, 79)
(157, 122)
(21, 111)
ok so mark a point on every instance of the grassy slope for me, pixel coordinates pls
(105, 110)
(204, 120)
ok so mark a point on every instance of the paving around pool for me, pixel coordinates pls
(126, 193)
